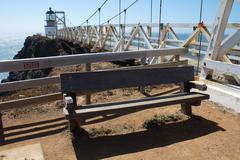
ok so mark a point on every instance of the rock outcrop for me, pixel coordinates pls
(39, 46)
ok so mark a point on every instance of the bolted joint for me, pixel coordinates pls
(201, 25)
(161, 26)
(194, 28)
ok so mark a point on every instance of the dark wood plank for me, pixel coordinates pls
(24, 102)
(141, 104)
(105, 80)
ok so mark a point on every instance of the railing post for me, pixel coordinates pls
(142, 89)
(162, 40)
(149, 29)
(1, 130)
(217, 36)
(218, 28)
(123, 36)
(88, 96)
(100, 36)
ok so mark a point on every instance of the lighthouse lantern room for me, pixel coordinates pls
(51, 27)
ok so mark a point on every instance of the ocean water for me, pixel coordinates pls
(10, 44)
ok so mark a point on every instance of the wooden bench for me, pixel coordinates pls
(91, 82)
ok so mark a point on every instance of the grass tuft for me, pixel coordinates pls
(99, 131)
(159, 120)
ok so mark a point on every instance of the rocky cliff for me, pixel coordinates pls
(39, 46)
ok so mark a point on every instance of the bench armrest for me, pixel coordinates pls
(198, 85)
(68, 100)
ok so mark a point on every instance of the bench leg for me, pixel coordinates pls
(186, 108)
(70, 105)
(88, 99)
(1, 131)
(73, 125)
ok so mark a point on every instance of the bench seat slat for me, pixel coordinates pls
(141, 104)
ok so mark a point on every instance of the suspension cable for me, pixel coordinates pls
(99, 19)
(125, 19)
(68, 21)
(160, 21)
(87, 26)
(120, 18)
(125, 16)
(151, 11)
(99, 16)
(118, 14)
(200, 38)
(201, 11)
(95, 12)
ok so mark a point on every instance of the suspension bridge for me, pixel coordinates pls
(205, 39)
(213, 55)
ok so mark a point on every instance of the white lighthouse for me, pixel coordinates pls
(51, 27)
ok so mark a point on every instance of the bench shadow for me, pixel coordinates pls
(33, 130)
(174, 90)
(113, 145)
(104, 118)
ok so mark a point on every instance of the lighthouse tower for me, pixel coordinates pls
(51, 27)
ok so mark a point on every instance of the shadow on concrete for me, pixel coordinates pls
(114, 145)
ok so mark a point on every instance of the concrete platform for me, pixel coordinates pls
(29, 152)
(226, 95)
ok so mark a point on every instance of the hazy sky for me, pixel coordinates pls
(20, 16)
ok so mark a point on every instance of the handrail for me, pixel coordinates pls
(19, 103)
(26, 84)
(56, 61)
(174, 25)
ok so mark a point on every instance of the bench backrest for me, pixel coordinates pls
(88, 82)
